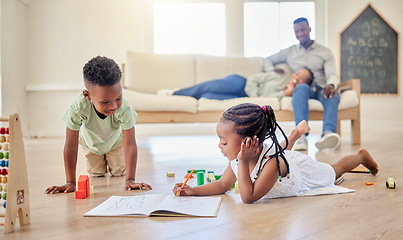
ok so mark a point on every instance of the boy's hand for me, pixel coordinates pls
(279, 71)
(66, 188)
(130, 184)
(185, 190)
(249, 149)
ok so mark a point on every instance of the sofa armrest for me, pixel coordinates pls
(123, 68)
(352, 84)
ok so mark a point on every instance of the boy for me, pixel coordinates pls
(304, 75)
(105, 121)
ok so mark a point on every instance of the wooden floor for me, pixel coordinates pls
(372, 212)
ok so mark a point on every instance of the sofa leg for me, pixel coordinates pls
(338, 127)
(356, 131)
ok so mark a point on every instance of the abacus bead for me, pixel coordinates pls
(7, 130)
(2, 139)
(5, 196)
(4, 204)
(2, 130)
(5, 147)
(2, 163)
(1, 155)
(6, 155)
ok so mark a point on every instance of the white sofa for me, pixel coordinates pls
(146, 73)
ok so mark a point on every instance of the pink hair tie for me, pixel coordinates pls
(264, 109)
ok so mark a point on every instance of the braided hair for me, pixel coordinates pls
(260, 121)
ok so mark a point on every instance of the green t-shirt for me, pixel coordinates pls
(99, 135)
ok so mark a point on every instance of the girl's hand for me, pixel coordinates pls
(66, 188)
(130, 184)
(185, 190)
(249, 149)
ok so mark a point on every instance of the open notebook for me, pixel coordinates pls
(157, 205)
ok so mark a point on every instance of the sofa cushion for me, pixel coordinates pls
(152, 102)
(348, 99)
(222, 105)
(149, 72)
(214, 67)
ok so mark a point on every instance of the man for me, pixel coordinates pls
(321, 62)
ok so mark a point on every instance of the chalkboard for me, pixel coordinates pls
(369, 51)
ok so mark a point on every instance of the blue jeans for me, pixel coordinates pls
(300, 96)
(232, 86)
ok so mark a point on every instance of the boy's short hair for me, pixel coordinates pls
(101, 71)
(310, 80)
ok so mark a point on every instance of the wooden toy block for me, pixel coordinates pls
(236, 187)
(84, 185)
(81, 194)
(186, 176)
(170, 174)
(211, 177)
(390, 183)
(360, 169)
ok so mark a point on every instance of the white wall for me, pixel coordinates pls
(63, 36)
(379, 108)
(14, 49)
(45, 44)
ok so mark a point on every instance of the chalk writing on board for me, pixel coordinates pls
(369, 52)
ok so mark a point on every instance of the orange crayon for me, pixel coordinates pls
(187, 179)
(369, 183)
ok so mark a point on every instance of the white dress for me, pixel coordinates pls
(306, 174)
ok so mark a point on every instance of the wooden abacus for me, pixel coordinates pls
(17, 193)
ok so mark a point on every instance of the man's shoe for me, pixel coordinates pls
(328, 140)
(301, 144)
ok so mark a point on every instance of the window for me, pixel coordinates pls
(268, 25)
(190, 28)
(227, 27)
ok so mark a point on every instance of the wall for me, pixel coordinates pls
(45, 44)
(374, 108)
(14, 49)
(64, 35)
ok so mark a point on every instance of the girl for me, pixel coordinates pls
(269, 169)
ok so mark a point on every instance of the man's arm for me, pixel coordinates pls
(330, 70)
(270, 61)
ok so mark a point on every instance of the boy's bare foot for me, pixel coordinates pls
(368, 161)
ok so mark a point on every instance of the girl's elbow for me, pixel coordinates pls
(248, 200)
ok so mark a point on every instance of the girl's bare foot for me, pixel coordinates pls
(302, 128)
(368, 161)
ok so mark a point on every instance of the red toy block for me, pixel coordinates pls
(80, 194)
(186, 176)
(84, 185)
